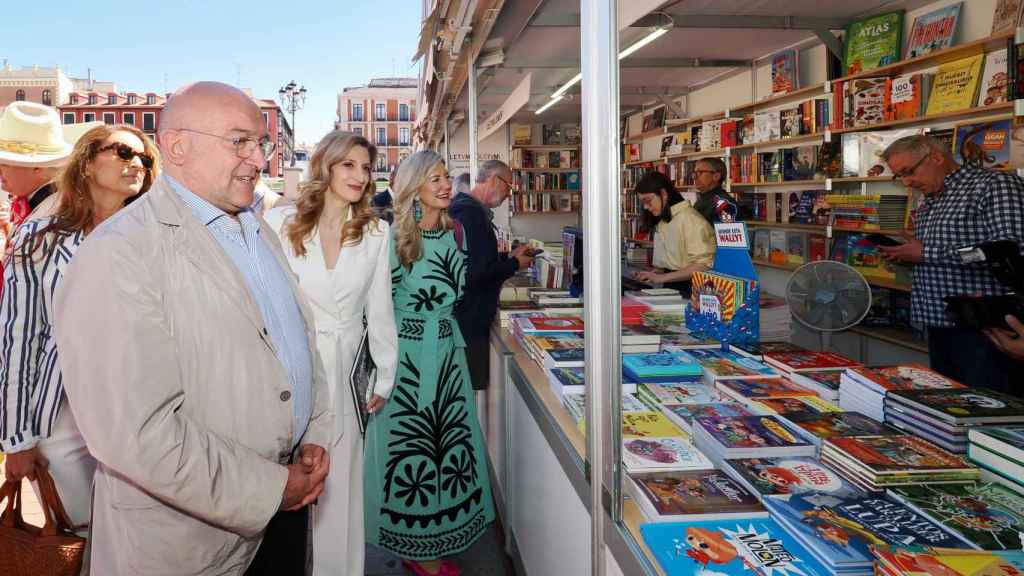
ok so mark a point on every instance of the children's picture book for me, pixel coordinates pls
(867, 101)
(988, 515)
(839, 424)
(784, 477)
(777, 246)
(719, 294)
(955, 85)
(947, 562)
(682, 393)
(809, 361)
(683, 414)
(984, 144)
(785, 72)
(903, 377)
(1006, 15)
(794, 406)
(522, 134)
(935, 30)
(842, 530)
(905, 97)
(754, 547)
(552, 134)
(719, 364)
(887, 454)
(752, 432)
(695, 494)
(995, 80)
(873, 42)
(647, 425)
(660, 365)
(761, 388)
(669, 453)
(570, 379)
(964, 405)
(550, 324)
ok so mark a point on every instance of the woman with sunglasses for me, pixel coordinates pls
(109, 166)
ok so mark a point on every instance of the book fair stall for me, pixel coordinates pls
(781, 418)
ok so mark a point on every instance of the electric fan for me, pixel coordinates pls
(828, 296)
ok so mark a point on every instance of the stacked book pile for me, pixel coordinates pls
(683, 415)
(557, 302)
(999, 452)
(841, 532)
(817, 371)
(775, 318)
(864, 389)
(753, 392)
(664, 366)
(719, 364)
(820, 427)
(659, 299)
(875, 463)
(633, 312)
(576, 405)
(555, 350)
(658, 395)
(781, 478)
(944, 416)
(792, 405)
(947, 561)
(987, 516)
(691, 495)
(640, 339)
(651, 443)
(749, 437)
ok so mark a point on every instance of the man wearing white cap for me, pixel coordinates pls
(32, 149)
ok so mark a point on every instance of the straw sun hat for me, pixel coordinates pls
(31, 135)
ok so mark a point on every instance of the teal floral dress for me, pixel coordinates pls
(427, 492)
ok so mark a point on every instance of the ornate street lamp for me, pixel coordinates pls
(293, 98)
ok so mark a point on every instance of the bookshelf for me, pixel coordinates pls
(545, 179)
(745, 155)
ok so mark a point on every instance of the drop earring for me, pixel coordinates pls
(417, 210)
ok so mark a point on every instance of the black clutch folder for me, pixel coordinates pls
(361, 379)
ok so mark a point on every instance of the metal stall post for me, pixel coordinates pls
(602, 264)
(472, 122)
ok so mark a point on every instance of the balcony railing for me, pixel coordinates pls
(393, 142)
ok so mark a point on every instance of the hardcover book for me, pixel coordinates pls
(755, 547)
(791, 407)
(551, 324)
(752, 432)
(784, 477)
(935, 30)
(965, 405)
(671, 453)
(683, 393)
(842, 530)
(567, 380)
(808, 361)
(873, 42)
(867, 98)
(904, 98)
(648, 425)
(984, 144)
(785, 72)
(955, 85)
(947, 562)
(1006, 15)
(988, 515)
(892, 454)
(675, 496)
(522, 134)
(759, 388)
(660, 365)
(719, 364)
(720, 293)
(840, 424)
(995, 81)
(903, 377)
(683, 414)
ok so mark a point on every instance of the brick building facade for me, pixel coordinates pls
(385, 112)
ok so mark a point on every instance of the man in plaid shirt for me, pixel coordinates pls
(963, 205)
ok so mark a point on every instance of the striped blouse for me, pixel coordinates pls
(31, 387)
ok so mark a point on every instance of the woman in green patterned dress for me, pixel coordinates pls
(427, 493)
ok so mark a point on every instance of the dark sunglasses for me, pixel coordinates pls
(126, 153)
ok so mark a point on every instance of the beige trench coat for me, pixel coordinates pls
(178, 392)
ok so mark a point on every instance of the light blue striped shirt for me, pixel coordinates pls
(271, 290)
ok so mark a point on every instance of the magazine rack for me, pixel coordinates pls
(732, 258)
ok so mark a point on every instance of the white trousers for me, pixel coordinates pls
(339, 529)
(71, 467)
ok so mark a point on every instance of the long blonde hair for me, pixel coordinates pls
(310, 204)
(412, 175)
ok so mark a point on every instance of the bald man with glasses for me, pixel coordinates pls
(197, 384)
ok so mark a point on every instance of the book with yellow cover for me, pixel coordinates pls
(648, 425)
(956, 85)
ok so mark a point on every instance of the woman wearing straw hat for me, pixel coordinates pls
(108, 166)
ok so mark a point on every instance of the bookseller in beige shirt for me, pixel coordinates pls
(684, 241)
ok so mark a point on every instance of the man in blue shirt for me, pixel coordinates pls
(197, 384)
(487, 269)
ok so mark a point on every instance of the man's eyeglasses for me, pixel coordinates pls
(699, 172)
(909, 171)
(244, 145)
(507, 183)
(126, 153)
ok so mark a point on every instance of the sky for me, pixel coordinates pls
(160, 45)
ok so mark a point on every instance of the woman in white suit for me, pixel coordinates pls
(339, 249)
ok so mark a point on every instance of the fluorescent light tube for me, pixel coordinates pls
(554, 100)
(654, 35)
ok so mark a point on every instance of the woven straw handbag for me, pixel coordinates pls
(25, 550)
